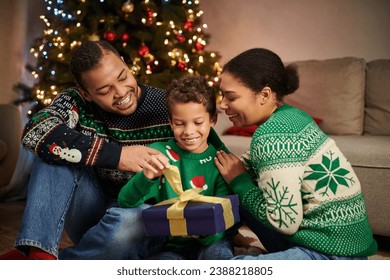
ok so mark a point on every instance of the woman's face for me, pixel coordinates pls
(243, 106)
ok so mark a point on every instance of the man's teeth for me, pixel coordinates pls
(124, 101)
(231, 116)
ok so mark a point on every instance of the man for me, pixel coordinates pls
(89, 142)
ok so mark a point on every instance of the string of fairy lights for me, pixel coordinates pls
(178, 56)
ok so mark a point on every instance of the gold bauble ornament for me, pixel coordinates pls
(176, 53)
(93, 37)
(128, 7)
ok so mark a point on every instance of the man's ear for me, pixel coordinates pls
(85, 94)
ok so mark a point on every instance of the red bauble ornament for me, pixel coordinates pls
(149, 13)
(182, 65)
(180, 38)
(199, 46)
(109, 35)
(143, 50)
(125, 37)
(189, 24)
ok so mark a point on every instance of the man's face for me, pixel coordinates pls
(112, 86)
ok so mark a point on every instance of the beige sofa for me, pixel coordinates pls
(351, 97)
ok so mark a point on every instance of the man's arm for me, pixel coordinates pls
(53, 135)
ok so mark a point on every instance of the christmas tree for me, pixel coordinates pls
(160, 40)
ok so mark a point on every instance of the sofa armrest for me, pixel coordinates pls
(10, 133)
(3, 150)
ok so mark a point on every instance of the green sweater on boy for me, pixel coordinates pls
(196, 171)
(306, 188)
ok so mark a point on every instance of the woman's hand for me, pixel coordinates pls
(229, 166)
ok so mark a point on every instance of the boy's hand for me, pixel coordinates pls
(229, 166)
(152, 171)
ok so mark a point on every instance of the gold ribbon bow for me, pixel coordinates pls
(175, 213)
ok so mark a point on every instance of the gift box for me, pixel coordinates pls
(196, 218)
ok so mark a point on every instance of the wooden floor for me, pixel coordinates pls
(11, 215)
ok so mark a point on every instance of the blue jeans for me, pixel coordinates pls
(295, 253)
(67, 197)
(220, 250)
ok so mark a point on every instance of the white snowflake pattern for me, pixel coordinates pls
(281, 205)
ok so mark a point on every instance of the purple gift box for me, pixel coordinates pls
(201, 218)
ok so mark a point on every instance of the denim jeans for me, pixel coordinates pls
(296, 253)
(67, 197)
(220, 250)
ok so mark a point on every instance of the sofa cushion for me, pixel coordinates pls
(377, 117)
(372, 151)
(237, 145)
(332, 90)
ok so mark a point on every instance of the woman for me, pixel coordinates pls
(305, 188)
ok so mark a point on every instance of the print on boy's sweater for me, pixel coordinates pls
(172, 154)
(198, 182)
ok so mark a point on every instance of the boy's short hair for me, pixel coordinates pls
(191, 89)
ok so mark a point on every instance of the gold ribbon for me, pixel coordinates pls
(175, 213)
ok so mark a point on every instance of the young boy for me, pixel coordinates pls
(191, 108)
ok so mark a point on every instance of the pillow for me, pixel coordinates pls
(241, 131)
(332, 90)
(377, 115)
(317, 120)
(249, 130)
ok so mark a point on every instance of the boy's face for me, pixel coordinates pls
(112, 86)
(191, 126)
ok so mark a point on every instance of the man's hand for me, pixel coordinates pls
(229, 166)
(138, 158)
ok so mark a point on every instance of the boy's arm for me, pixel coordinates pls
(140, 188)
(137, 190)
(221, 187)
(51, 135)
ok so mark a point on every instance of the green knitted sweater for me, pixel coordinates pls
(196, 171)
(306, 188)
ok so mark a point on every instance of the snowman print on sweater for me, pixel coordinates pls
(70, 155)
